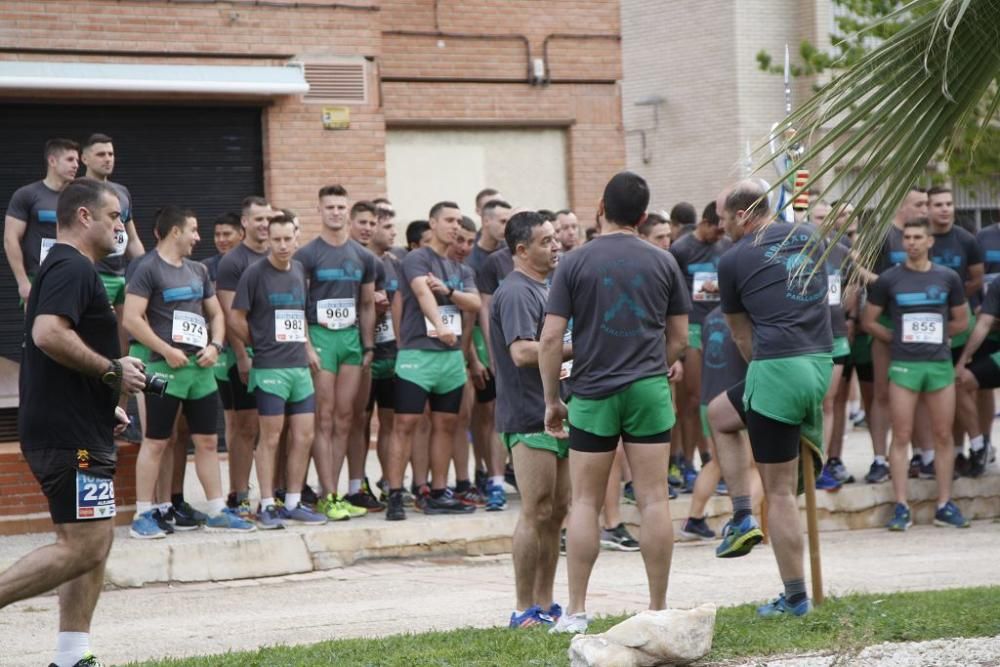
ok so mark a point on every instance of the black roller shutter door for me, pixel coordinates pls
(203, 158)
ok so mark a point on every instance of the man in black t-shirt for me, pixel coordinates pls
(73, 388)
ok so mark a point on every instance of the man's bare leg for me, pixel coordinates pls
(649, 464)
(589, 479)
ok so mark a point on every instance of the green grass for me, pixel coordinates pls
(845, 625)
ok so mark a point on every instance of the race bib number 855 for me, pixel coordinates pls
(95, 497)
(923, 328)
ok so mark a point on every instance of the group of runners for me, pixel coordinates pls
(662, 329)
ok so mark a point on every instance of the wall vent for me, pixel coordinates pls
(336, 82)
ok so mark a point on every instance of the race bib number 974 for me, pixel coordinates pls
(95, 497)
(189, 329)
(923, 328)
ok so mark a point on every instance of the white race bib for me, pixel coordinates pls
(450, 317)
(121, 242)
(698, 292)
(833, 289)
(566, 369)
(336, 313)
(189, 329)
(923, 328)
(384, 332)
(43, 252)
(290, 326)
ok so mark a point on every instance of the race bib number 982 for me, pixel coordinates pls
(290, 326)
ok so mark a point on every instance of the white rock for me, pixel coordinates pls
(668, 637)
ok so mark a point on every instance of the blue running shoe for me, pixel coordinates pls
(901, 518)
(628, 495)
(950, 516)
(554, 612)
(496, 499)
(739, 540)
(268, 518)
(721, 489)
(529, 618)
(697, 529)
(690, 475)
(301, 514)
(672, 492)
(228, 519)
(827, 482)
(145, 527)
(780, 607)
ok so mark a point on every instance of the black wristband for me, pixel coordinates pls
(451, 290)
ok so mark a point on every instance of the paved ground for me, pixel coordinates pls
(387, 597)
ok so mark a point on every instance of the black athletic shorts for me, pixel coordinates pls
(956, 352)
(78, 483)
(489, 392)
(240, 398)
(383, 392)
(772, 441)
(842, 360)
(986, 372)
(585, 441)
(270, 405)
(225, 394)
(161, 415)
(735, 395)
(411, 399)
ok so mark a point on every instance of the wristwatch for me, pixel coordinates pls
(451, 290)
(218, 346)
(113, 375)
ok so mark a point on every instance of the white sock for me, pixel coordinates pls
(266, 502)
(927, 456)
(142, 507)
(292, 500)
(977, 443)
(164, 508)
(496, 480)
(353, 486)
(216, 506)
(880, 460)
(853, 407)
(71, 647)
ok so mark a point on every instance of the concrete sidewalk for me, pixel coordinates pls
(376, 598)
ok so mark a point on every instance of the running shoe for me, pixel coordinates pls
(163, 521)
(628, 495)
(690, 475)
(471, 496)
(781, 607)
(697, 529)
(184, 517)
(352, 510)
(446, 505)
(302, 514)
(927, 471)
(827, 482)
(721, 489)
(674, 477)
(244, 510)
(961, 465)
(88, 660)
(228, 519)
(555, 612)
(231, 500)
(496, 499)
(330, 506)
(365, 501)
(877, 473)
(671, 492)
(618, 539)
(383, 490)
(739, 540)
(309, 496)
(480, 480)
(394, 510)
(509, 476)
(562, 542)
(913, 472)
(575, 624)
(269, 518)
(839, 471)
(145, 527)
(978, 460)
(420, 496)
(901, 518)
(950, 516)
(857, 418)
(529, 618)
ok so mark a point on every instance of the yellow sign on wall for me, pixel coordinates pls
(336, 118)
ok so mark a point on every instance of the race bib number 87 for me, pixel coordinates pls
(450, 317)
(923, 328)
(95, 497)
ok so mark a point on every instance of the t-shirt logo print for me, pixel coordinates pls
(624, 308)
(804, 282)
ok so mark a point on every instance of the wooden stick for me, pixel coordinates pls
(812, 524)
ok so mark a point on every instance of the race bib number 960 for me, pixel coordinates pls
(450, 317)
(290, 326)
(95, 497)
(923, 328)
(833, 289)
(336, 313)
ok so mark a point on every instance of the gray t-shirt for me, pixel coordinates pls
(35, 204)
(275, 302)
(114, 264)
(477, 258)
(385, 334)
(176, 297)
(838, 270)
(516, 313)
(919, 303)
(892, 253)
(336, 274)
(768, 276)
(618, 290)
(991, 302)
(956, 249)
(414, 327)
(699, 263)
(233, 264)
(496, 267)
(722, 365)
(989, 242)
